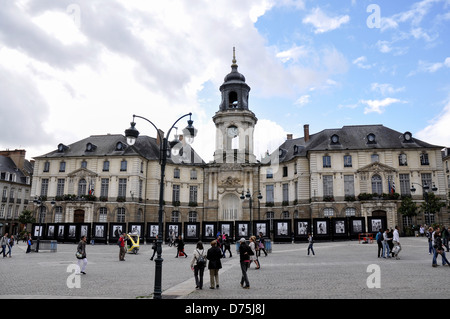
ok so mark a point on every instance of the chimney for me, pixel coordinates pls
(158, 140)
(289, 136)
(17, 156)
(306, 132)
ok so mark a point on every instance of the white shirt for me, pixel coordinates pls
(396, 236)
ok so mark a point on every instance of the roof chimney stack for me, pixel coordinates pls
(306, 132)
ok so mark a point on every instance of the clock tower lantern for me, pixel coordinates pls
(234, 121)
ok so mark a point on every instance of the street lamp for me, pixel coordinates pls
(132, 134)
(250, 198)
(425, 189)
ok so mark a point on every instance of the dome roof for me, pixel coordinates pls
(234, 75)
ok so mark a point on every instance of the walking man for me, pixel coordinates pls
(122, 250)
(244, 252)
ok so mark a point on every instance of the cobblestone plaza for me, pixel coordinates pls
(347, 269)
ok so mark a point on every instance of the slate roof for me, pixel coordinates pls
(8, 165)
(107, 145)
(354, 137)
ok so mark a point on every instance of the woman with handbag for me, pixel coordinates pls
(198, 264)
(254, 249)
(81, 255)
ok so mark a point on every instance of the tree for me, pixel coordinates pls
(432, 204)
(408, 207)
(26, 217)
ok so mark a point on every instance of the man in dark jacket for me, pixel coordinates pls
(439, 249)
(244, 252)
(213, 255)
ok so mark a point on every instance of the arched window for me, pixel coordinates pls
(233, 100)
(103, 215)
(377, 185)
(121, 215)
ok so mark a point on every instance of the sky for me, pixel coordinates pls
(71, 69)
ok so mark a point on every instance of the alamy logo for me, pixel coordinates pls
(374, 279)
(374, 20)
(74, 279)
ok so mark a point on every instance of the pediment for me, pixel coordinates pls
(82, 172)
(377, 167)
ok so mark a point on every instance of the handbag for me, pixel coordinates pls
(79, 255)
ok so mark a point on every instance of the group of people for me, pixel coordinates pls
(212, 259)
(6, 242)
(388, 243)
(437, 244)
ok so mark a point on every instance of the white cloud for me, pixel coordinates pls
(431, 67)
(323, 23)
(303, 100)
(378, 106)
(385, 88)
(361, 63)
(437, 131)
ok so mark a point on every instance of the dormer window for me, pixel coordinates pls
(335, 139)
(407, 137)
(90, 147)
(371, 139)
(119, 146)
(62, 148)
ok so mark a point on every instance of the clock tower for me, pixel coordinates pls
(234, 121)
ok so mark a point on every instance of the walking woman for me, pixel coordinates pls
(180, 248)
(253, 247)
(214, 255)
(311, 243)
(198, 264)
(81, 255)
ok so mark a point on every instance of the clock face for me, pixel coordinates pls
(232, 131)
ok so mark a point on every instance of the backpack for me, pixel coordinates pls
(201, 261)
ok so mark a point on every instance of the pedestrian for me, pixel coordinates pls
(396, 241)
(214, 255)
(422, 231)
(439, 249)
(379, 239)
(154, 247)
(445, 237)
(261, 244)
(430, 240)
(244, 257)
(172, 239)
(81, 255)
(253, 247)
(227, 245)
(122, 250)
(10, 245)
(390, 241)
(29, 243)
(4, 243)
(198, 264)
(310, 244)
(386, 239)
(180, 248)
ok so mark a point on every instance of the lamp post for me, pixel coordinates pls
(132, 134)
(425, 189)
(250, 198)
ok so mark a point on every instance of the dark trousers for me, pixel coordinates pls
(380, 248)
(198, 275)
(244, 279)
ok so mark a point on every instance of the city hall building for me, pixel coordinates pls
(336, 183)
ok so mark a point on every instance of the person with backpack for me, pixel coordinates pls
(198, 264)
(439, 249)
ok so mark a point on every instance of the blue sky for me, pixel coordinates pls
(71, 69)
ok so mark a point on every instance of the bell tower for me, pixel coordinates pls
(234, 121)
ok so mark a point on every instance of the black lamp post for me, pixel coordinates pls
(425, 189)
(250, 198)
(132, 134)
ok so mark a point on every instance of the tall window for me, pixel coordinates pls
(123, 166)
(405, 187)
(121, 215)
(269, 194)
(58, 214)
(349, 185)
(192, 217)
(285, 192)
(327, 185)
(377, 186)
(60, 187)
(375, 158)
(82, 186)
(175, 193)
(193, 174)
(44, 187)
(106, 166)
(424, 159)
(426, 179)
(347, 161)
(402, 160)
(175, 218)
(122, 187)
(104, 187)
(176, 173)
(192, 194)
(326, 161)
(62, 166)
(103, 215)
